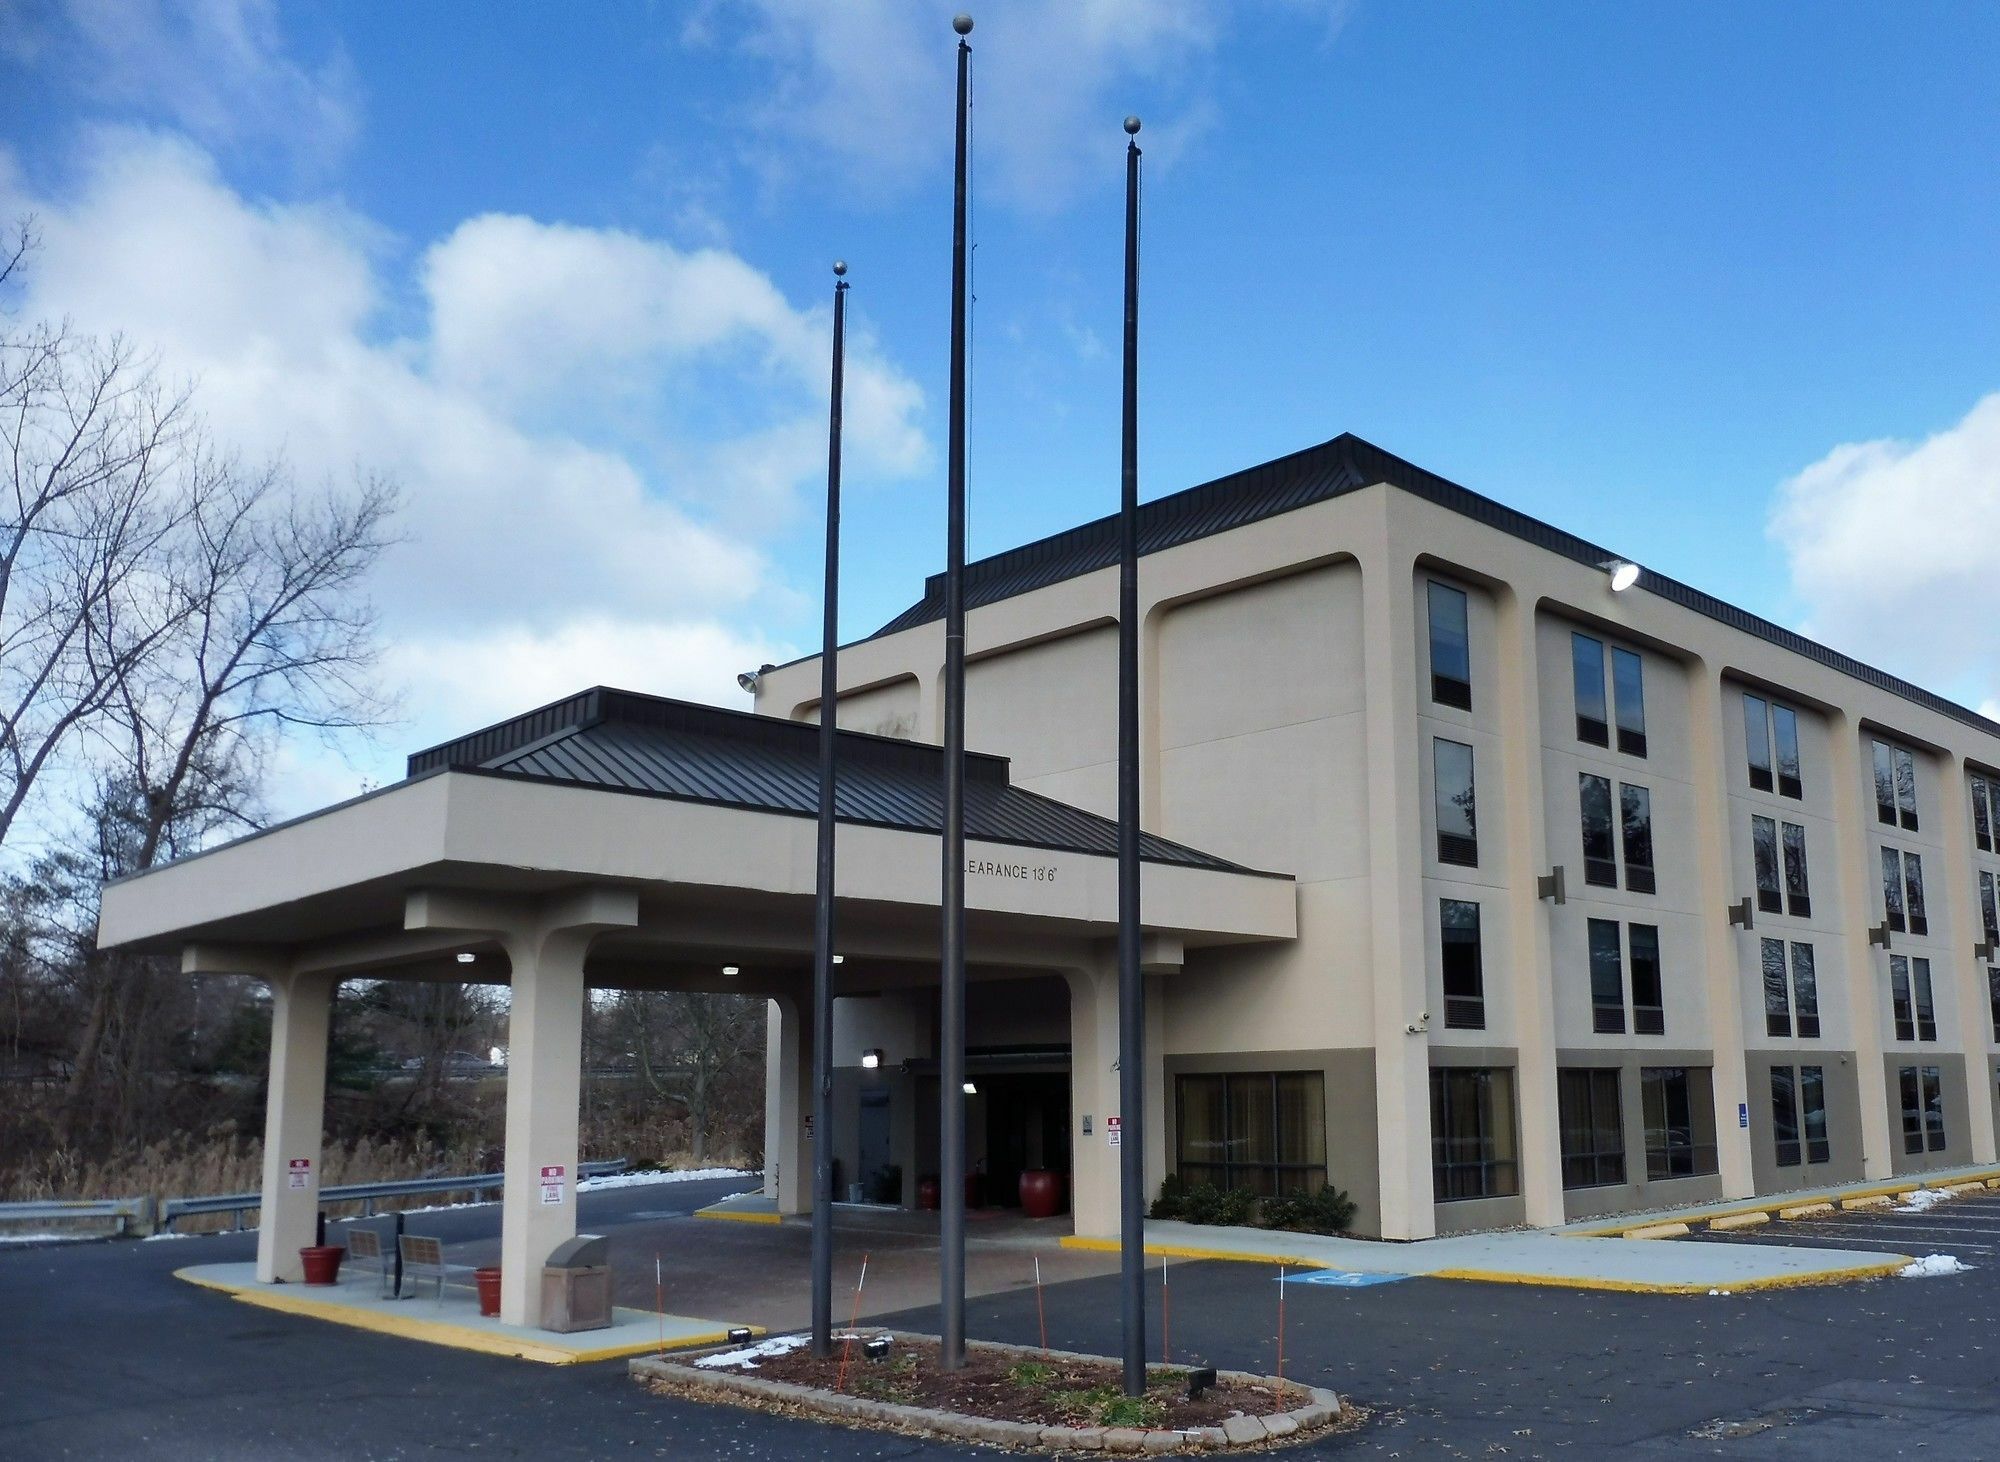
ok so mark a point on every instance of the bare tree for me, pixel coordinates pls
(688, 1044)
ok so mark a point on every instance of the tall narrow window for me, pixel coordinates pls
(1764, 851)
(1906, 788)
(1989, 914)
(1679, 1110)
(1600, 858)
(1635, 805)
(1649, 1012)
(1805, 991)
(1464, 984)
(1777, 998)
(1472, 1133)
(1791, 776)
(1628, 687)
(1607, 979)
(1913, 886)
(1993, 997)
(1451, 648)
(1885, 784)
(1892, 890)
(1593, 1129)
(1757, 740)
(1933, 1089)
(1457, 820)
(1798, 888)
(1982, 813)
(1587, 670)
(1899, 998)
(1785, 1116)
(1812, 1097)
(1920, 990)
(1911, 1092)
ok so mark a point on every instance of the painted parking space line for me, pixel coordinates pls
(1899, 1231)
(1876, 1244)
(1342, 1278)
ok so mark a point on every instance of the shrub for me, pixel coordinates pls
(1202, 1203)
(1329, 1211)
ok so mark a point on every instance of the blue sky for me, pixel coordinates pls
(1714, 286)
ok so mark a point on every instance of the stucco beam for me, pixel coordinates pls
(594, 907)
(261, 961)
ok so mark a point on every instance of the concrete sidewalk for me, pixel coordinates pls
(1543, 1256)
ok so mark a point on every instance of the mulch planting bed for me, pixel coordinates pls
(1059, 1390)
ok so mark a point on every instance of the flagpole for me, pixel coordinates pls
(822, 1037)
(1131, 989)
(951, 994)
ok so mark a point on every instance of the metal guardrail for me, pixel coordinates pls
(127, 1213)
(366, 1194)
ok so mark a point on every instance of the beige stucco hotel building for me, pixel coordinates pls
(1473, 886)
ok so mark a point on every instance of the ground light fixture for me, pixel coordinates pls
(871, 1060)
(1624, 574)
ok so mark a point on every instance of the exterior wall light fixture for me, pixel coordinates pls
(466, 957)
(971, 1088)
(871, 1060)
(731, 971)
(1623, 574)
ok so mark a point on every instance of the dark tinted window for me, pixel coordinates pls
(1457, 819)
(1472, 1133)
(1757, 740)
(1464, 983)
(1587, 667)
(1600, 865)
(1911, 1094)
(1451, 651)
(1629, 689)
(1805, 991)
(1798, 890)
(1593, 1128)
(1785, 1116)
(1812, 1098)
(1636, 813)
(1913, 887)
(1777, 998)
(1933, 1086)
(1989, 916)
(1791, 781)
(1607, 979)
(1920, 991)
(1892, 889)
(1885, 784)
(1764, 849)
(1899, 998)
(1649, 1016)
(1679, 1114)
(1906, 788)
(1263, 1132)
(1982, 814)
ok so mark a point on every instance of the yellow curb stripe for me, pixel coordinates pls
(443, 1332)
(1641, 1286)
(1896, 1189)
(1187, 1251)
(736, 1216)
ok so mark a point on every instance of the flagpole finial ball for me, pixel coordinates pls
(962, 23)
(1131, 126)
(839, 267)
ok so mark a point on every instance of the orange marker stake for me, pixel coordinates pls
(1041, 1317)
(854, 1318)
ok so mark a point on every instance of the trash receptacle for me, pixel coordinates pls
(576, 1285)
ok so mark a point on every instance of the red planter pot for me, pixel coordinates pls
(927, 1192)
(488, 1281)
(1041, 1192)
(322, 1262)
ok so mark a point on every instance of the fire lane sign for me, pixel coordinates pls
(552, 1184)
(1114, 1130)
(298, 1174)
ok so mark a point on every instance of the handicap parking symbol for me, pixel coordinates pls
(1343, 1278)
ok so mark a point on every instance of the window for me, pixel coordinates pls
(1757, 740)
(1593, 1128)
(1798, 892)
(1922, 1091)
(1913, 885)
(1678, 1109)
(1805, 991)
(1628, 686)
(1777, 991)
(1649, 1014)
(1785, 1115)
(1989, 915)
(1791, 777)
(1464, 985)
(1607, 979)
(1472, 1133)
(1451, 652)
(1982, 812)
(1896, 786)
(1457, 822)
(1636, 811)
(1764, 848)
(1587, 668)
(1600, 863)
(1261, 1131)
(1910, 999)
(1892, 890)
(1796, 1093)
(1993, 997)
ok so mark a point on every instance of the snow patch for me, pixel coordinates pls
(68, 1238)
(649, 1179)
(746, 1359)
(1931, 1266)
(1922, 1201)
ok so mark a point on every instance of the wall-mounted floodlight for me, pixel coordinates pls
(1880, 934)
(466, 957)
(1741, 915)
(748, 680)
(1623, 574)
(971, 1088)
(871, 1060)
(1983, 952)
(731, 971)
(1552, 886)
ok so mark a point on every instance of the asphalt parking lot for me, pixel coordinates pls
(103, 1353)
(1967, 1228)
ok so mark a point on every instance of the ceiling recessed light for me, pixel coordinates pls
(730, 970)
(466, 957)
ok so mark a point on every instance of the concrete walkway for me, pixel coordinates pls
(1542, 1256)
(357, 1301)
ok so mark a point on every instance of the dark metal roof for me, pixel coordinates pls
(1330, 470)
(620, 741)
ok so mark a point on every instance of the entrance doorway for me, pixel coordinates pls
(1027, 1127)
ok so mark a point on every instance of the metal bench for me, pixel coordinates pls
(423, 1258)
(364, 1249)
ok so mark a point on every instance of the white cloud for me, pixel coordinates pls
(870, 82)
(1892, 545)
(557, 534)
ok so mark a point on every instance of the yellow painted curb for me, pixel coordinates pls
(443, 1332)
(1895, 1189)
(729, 1216)
(1806, 1210)
(1739, 1220)
(1873, 1200)
(1640, 1286)
(1657, 1231)
(1186, 1251)
(1959, 1190)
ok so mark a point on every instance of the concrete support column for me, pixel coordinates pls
(1094, 1090)
(1722, 942)
(1530, 967)
(1860, 884)
(788, 1149)
(294, 1117)
(1962, 974)
(1395, 864)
